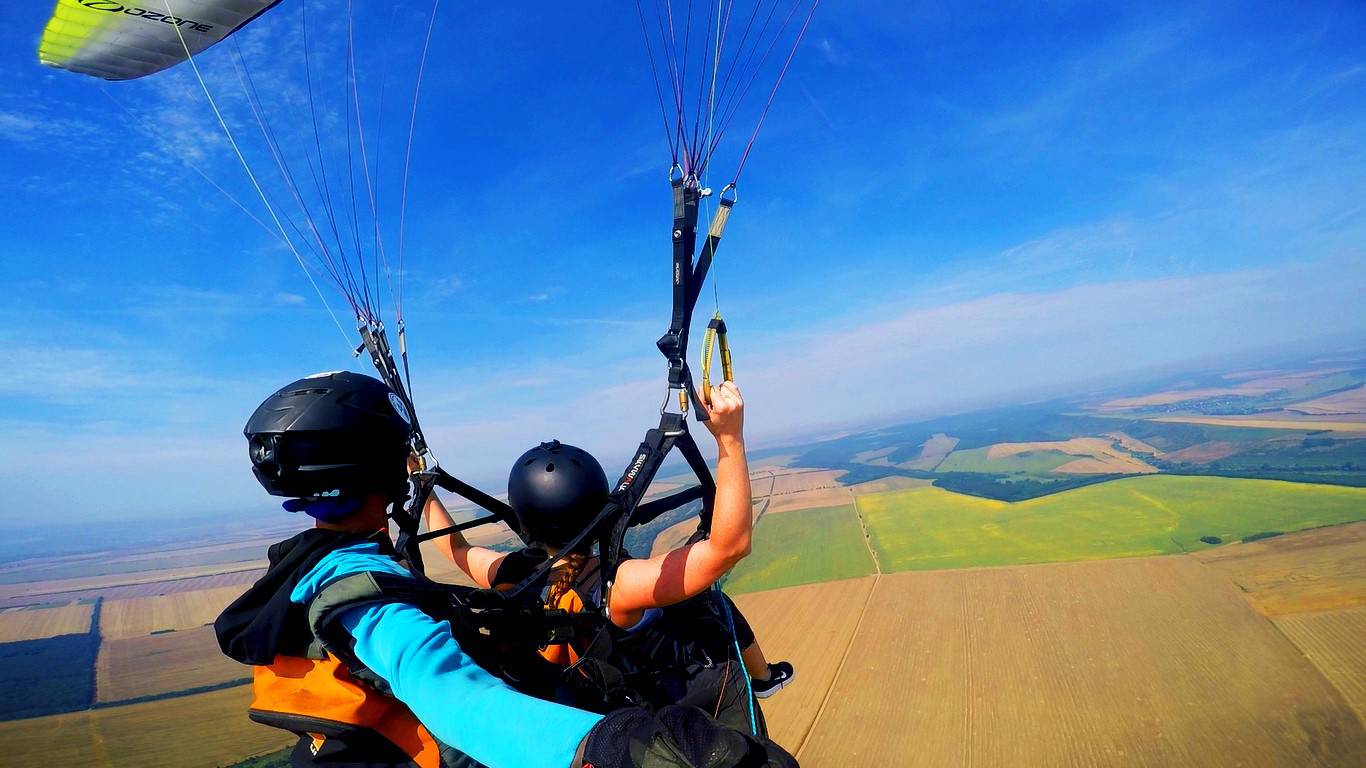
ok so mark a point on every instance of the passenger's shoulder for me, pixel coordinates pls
(362, 557)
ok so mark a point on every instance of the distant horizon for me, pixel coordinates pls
(267, 513)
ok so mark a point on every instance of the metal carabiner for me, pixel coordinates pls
(716, 332)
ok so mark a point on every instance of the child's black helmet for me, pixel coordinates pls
(555, 490)
(330, 434)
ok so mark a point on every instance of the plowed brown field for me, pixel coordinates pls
(1315, 570)
(810, 626)
(200, 731)
(166, 663)
(1152, 661)
(807, 489)
(1336, 642)
(38, 623)
(889, 484)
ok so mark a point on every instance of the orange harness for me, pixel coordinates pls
(320, 699)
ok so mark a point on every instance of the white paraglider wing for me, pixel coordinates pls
(127, 39)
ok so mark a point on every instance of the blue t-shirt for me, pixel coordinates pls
(458, 701)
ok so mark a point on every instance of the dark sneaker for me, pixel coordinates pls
(779, 675)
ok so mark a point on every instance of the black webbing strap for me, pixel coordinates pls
(674, 343)
(424, 484)
(376, 342)
(630, 489)
(688, 278)
(408, 518)
(501, 512)
(648, 511)
(688, 447)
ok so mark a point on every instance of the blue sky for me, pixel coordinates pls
(950, 205)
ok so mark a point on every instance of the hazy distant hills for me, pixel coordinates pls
(1305, 423)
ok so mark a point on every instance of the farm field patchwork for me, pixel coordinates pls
(151, 665)
(1290, 421)
(38, 623)
(803, 547)
(888, 484)
(201, 731)
(148, 589)
(137, 584)
(141, 616)
(1095, 455)
(119, 566)
(810, 626)
(1068, 664)
(795, 489)
(834, 496)
(924, 528)
(1035, 462)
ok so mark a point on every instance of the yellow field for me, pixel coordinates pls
(201, 731)
(142, 616)
(38, 623)
(1335, 641)
(1097, 455)
(810, 626)
(1151, 661)
(166, 663)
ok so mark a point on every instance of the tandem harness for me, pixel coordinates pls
(625, 507)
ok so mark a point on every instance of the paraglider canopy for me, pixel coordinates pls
(119, 40)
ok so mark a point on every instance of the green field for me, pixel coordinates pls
(803, 547)
(926, 528)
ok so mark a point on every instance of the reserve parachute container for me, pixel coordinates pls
(119, 40)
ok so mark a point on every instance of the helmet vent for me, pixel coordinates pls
(529, 462)
(577, 463)
(550, 467)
